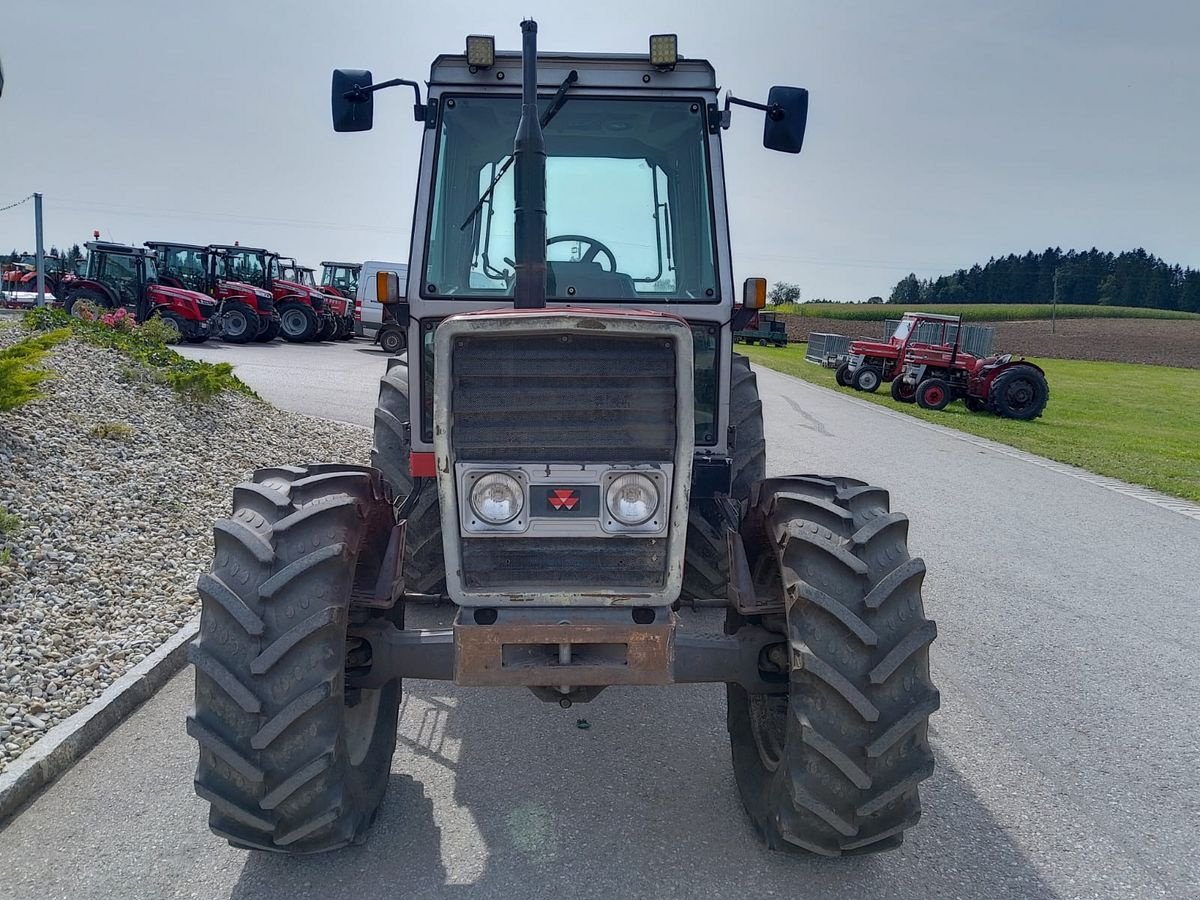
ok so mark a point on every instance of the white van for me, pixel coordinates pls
(368, 312)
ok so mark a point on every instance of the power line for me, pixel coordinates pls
(18, 203)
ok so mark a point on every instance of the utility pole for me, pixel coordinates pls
(1054, 305)
(41, 256)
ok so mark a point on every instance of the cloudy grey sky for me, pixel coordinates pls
(940, 132)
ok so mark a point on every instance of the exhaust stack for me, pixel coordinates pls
(529, 162)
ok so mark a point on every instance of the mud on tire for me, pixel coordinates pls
(289, 760)
(832, 765)
(424, 568)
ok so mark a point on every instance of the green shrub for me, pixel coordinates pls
(20, 375)
(156, 331)
(8, 522)
(146, 344)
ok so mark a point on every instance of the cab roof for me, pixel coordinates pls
(596, 70)
(342, 265)
(110, 247)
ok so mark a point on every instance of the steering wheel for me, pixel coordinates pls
(595, 248)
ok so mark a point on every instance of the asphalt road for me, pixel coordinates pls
(1066, 744)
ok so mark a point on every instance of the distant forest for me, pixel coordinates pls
(1088, 277)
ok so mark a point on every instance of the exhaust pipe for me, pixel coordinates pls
(529, 162)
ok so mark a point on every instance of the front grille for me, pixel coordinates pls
(265, 307)
(317, 302)
(527, 566)
(563, 398)
(207, 310)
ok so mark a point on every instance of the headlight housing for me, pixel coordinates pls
(497, 498)
(632, 499)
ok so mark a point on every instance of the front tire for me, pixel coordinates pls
(934, 393)
(424, 566)
(392, 341)
(831, 763)
(239, 323)
(903, 392)
(706, 555)
(867, 379)
(297, 323)
(842, 375)
(268, 332)
(289, 760)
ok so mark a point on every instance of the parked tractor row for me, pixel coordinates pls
(925, 363)
(240, 294)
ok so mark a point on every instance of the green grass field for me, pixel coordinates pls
(1140, 424)
(975, 312)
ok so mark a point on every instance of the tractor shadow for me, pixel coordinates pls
(497, 794)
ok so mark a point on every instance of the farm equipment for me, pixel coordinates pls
(872, 363)
(247, 312)
(302, 312)
(764, 329)
(119, 276)
(340, 278)
(936, 376)
(575, 454)
(337, 305)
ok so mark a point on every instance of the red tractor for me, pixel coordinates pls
(302, 312)
(340, 278)
(341, 309)
(937, 376)
(119, 276)
(247, 313)
(872, 363)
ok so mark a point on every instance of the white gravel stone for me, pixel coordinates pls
(102, 568)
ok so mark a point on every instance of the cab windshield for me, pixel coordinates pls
(903, 329)
(149, 269)
(185, 264)
(628, 210)
(245, 266)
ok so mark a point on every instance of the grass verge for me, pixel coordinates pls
(1140, 424)
(976, 312)
(191, 379)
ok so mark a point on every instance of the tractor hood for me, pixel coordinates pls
(181, 294)
(240, 287)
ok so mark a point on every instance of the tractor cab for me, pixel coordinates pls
(340, 278)
(126, 272)
(188, 266)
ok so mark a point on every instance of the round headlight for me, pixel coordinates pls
(497, 498)
(632, 499)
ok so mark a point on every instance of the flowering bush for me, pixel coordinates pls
(119, 320)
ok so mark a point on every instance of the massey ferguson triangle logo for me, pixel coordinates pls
(563, 498)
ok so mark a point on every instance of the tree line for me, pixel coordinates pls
(73, 254)
(1087, 277)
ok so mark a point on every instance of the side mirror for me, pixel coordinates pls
(787, 115)
(387, 287)
(754, 293)
(357, 114)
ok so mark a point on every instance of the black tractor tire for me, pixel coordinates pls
(975, 405)
(1020, 392)
(290, 761)
(934, 393)
(392, 341)
(97, 300)
(842, 375)
(239, 323)
(706, 555)
(903, 392)
(424, 565)
(831, 764)
(328, 329)
(347, 330)
(268, 332)
(868, 379)
(196, 334)
(176, 321)
(297, 322)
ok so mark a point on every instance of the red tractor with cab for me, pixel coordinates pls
(340, 278)
(302, 311)
(119, 276)
(337, 305)
(247, 312)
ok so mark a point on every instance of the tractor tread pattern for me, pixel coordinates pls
(706, 556)
(856, 741)
(269, 715)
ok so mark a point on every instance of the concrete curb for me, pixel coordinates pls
(64, 744)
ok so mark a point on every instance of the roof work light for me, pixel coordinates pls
(481, 50)
(664, 50)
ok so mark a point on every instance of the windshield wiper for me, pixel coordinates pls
(560, 98)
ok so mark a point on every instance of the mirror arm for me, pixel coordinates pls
(359, 93)
(774, 110)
